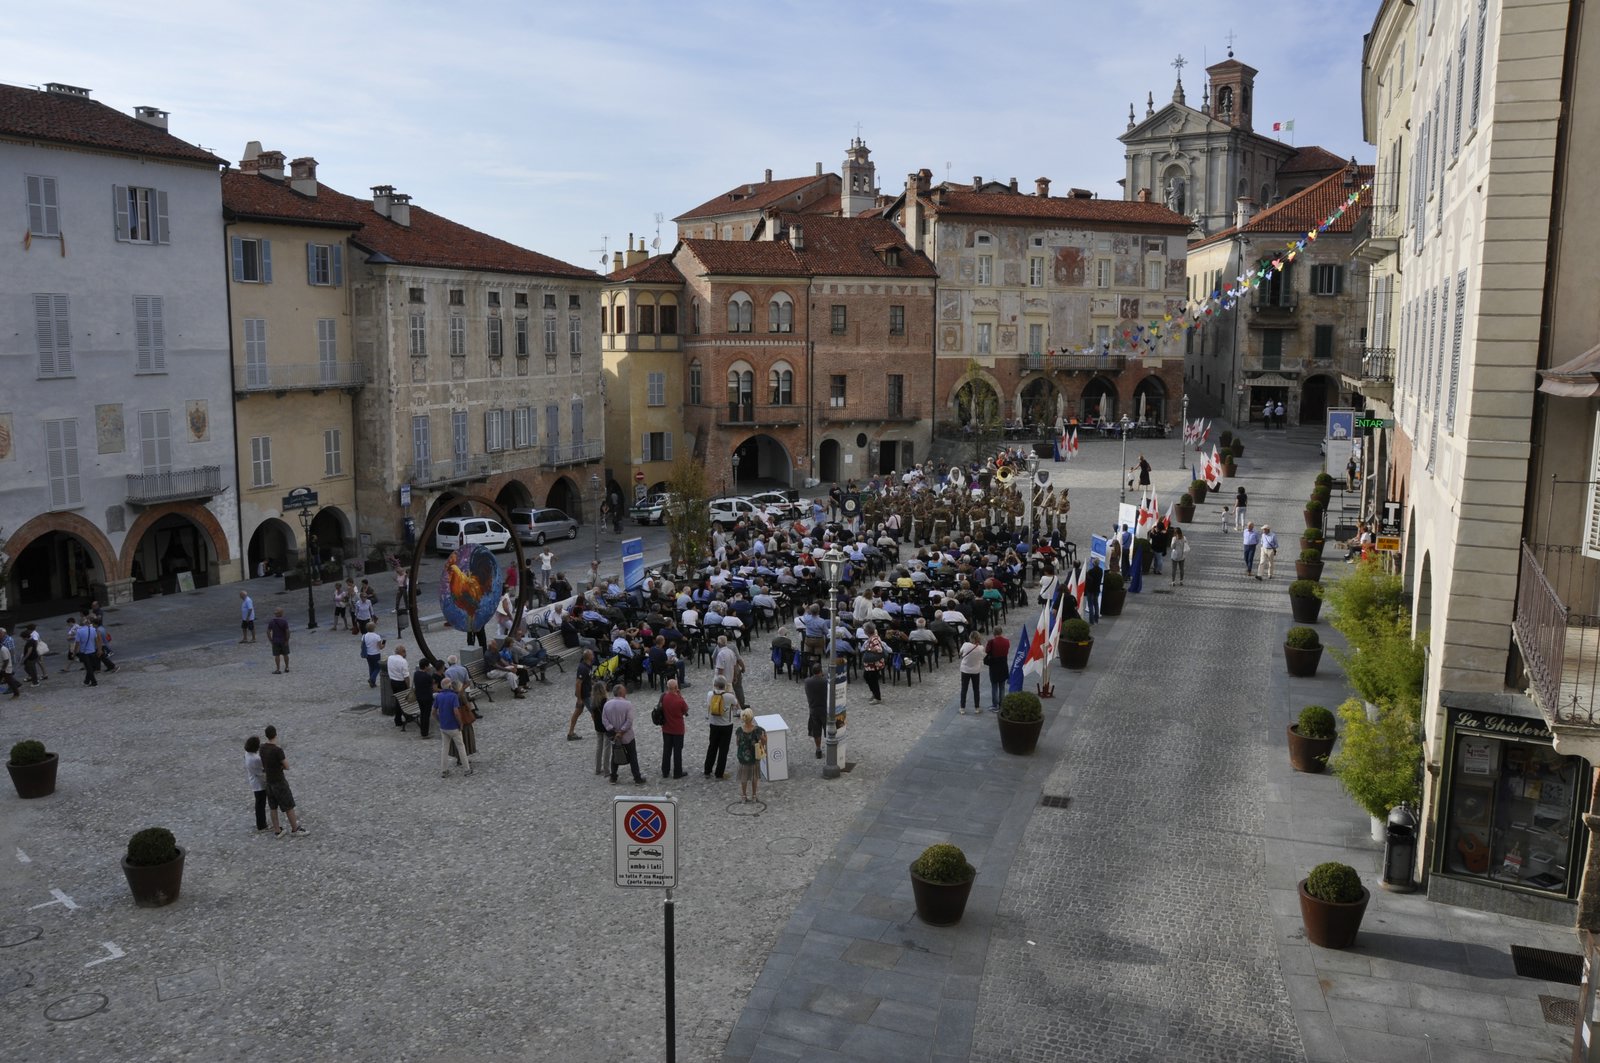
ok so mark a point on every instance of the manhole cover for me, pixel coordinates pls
(789, 846)
(77, 1006)
(16, 935)
(1547, 965)
(1558, 1011)
(11, 981)
(1055, 800)
(747, 808)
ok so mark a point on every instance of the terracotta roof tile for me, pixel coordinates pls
(770, 258)
(1058, 208)
(848, 247)
(1312, 159)
(753, 196)
(63, 119)
(262, 198)
(1305, 210)
(657, 269)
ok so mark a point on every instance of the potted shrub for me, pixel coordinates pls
(1312, 539)
(1321, 493)
(1237, 448)
(1304, 601)
(153, 867)
(941, 881)
(1113, 594)
(33, 770)
(1021, 719)
(1076, 642)
(1332, 902)
(1225, 440)
(1313, 513)
(1310, 564)
(1379, 763)
(1324, 480)
(1185, 508)
(1228, 466)
(1302, 652)
(1198, 492)
(1311, 739)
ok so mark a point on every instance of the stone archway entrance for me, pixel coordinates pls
(55, 573)
(171, 551)
(514, 495)
(977, 404)
(1150, 401)
(762, 461)
(1099, 400)
(565, 496)
(1040, 403)
(272, 549)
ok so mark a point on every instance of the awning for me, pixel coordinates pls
(1577, 379)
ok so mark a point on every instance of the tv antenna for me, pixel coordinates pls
(605, 242)
(656, 243)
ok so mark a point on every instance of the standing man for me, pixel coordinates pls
(424, 681)
(721, 710)
(247, 618)
(399, 680)
(1252, 541)
(87, 638)
(618, 718)
(1092, 578)
(278, 638)
(581, 691)
(8, 667)
(730, 666)
(279, 796)
(445, 704)
(675, 713)
(1269, 552)
(817, 706)
(371, 649)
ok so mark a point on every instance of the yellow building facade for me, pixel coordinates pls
(641, 337)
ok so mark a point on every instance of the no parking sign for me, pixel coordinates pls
(646, 838)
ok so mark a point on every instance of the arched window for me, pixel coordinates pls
(739, 312)
(780, 314)
(622, 318)
(696, 384)
(1225, 103)
(695, 311)
(780, 385)
(741, 392)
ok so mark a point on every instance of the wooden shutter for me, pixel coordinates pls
(237, 247)
(577, 422)
(1477, 73)
(119, 210)
(155, 440)
(666, 452)
(1455, 351)
(311, 263)
(150, 333)
(266, 257)
(336, 253)
(61, 459)
(163, 230)
(53, 332)
(644, 446)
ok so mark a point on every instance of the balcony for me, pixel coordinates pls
(572, 453)
(906, 413)
(297, 376)
(174, 485)
(1378, 232)
(1560, 646)
(1268, 303)
(1113, 363)
(748, 414)
(1375, 376)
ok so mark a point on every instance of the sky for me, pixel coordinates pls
(563, 127)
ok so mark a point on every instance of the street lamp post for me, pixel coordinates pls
(735, 472)
(832, 565)
(1032, 465)
(1183, 434)
(1122, 478)
(311, 599)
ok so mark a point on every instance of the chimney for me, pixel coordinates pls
(381, 195)
(1013, 184)
(1041, 187)
(616, 261)
(797, 238)
(1079, 193)
(977, 183)
(911, 216)
(400, 209)
(1244, 210)
(924, 179)
(1351, 172)
(270, 164)
(252, 152)
(768, 177)
(635, 255)
(59, 89)
(303, 175)
(154, 116)
(1143, 196)
(819, 169)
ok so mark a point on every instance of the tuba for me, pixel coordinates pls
(1004, 476)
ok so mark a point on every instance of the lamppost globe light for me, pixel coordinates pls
(831, 564)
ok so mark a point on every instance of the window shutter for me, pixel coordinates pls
(141, 328)
(644, 447)
(1338, 280)
(238, 257)
(1455, 351)
(666, 454)
(119, 208)
(1477, 73)
(338, 265)
(36, 222)
(266, 260)
(61, 450)
(45, 334)
(311, 263)
(163, 231)
(158, 334)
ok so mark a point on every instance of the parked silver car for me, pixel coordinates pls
(537, 525)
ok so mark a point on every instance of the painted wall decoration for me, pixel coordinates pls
(5, 437)
(198, 420)
(470, 587)
(108, 432)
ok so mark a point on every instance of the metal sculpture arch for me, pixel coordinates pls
(424, 542)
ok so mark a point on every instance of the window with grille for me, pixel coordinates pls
(458, 297)
(61, 462)
(897, 321)
(150, 334)
(837, 317)
(414, 295)
(896, 395)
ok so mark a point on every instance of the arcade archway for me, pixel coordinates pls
(565, 496)
(1316, 395)
(977, 403)
(1150, 400)
(272, 548)
(762, 460)
(1099, 401)
(54, 573)
(514, 495)
(171, 550)
(1040, 402)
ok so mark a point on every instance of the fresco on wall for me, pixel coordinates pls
(108, 429)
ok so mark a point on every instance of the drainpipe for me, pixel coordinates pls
(227, 287)
(811, 395)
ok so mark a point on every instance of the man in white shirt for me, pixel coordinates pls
(691, 617)
(399, 670)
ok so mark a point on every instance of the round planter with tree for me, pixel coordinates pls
(154, 867)
(1237, 447)
(941, 881)
(1313, 514)
(1311, 739)
(1198, 492)
(1185, 509)
(1304, 601)
(1228, 466)
(1309, 566)
(33, 770)
(1323, 480)
(1076, 642)
(1313, 539)
(1113, 594)
(1302, 652)
(1332, 902)
(1021, 718)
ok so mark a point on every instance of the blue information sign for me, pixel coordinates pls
(632, 563)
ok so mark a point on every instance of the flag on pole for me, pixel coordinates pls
(1206, 434)
(1015, 680)
(1054, 640)
(1283, 127)
(1074, 442)
(1063, 445)
(1034, 659)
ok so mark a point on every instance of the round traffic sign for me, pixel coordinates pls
(644, 823)
(638, 476)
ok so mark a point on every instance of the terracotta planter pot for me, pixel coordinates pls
(1309, 755)
(1199, 496)
(1313, 518)
(156, 885)
(1312, 544)
(35, 780)
(1305, 610)
(1308, 570)
(940, 903)
(1237, 448)
(1075, 655)
(1019, 738)
(1302, 664)
(1333, 926)
(1228, 468)
(1184, 513)
(1111, 602)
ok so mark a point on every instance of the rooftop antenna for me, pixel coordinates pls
(656, 243)
(605, 243)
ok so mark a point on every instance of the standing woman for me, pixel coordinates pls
(33, 656)
(402, 597)
(997, 654)
(752, 746)
(971, 669)
(341, 600)
(874, 659)
(1178, 549)
(1240, 502)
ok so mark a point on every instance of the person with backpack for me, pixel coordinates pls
(722, 709)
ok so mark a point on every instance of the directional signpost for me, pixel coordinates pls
(645, 841)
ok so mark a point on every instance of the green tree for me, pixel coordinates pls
(688, 518)
(1379, 760)
(978, 409)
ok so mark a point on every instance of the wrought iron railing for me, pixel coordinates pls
(1276, 302)
(1560, 647)
(297, 376)
(148, 488)
(737, 413)
(572, 453)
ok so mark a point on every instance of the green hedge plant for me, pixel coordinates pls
(1311, 554)
(1075, 630)
(1334, 883)
(1316, 722)
(28, 752)
(1379, 762)
(1022, 706)
(1112, 581)
(1302, 638)
(944, 863)
(1305, 588)
(152, 846)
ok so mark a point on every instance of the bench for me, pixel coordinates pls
(405, 703)
(479, 678)
(558, 651)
